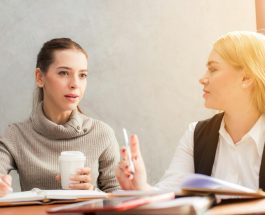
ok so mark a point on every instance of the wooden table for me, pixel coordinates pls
(246, 207)
(26, 210)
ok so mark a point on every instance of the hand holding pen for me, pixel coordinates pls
(129, 154)
(132, 174)
(5, 184)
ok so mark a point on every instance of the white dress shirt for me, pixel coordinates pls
(238, 163)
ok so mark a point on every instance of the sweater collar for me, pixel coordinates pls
(77, 125)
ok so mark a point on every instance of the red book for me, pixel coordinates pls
(112, 204)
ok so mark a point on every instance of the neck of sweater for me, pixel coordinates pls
(77, 125)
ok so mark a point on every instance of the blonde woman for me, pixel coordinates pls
(229, 145)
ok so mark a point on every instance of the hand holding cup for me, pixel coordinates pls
(73, 173)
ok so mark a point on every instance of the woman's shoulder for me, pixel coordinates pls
(211, 119)
(15, 127)
(13, 131)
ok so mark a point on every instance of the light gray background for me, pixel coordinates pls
(146, 57)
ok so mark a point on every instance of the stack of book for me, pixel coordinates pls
(196, 194)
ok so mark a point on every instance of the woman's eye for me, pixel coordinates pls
(63, 73)
(83, 75)
(211, 70)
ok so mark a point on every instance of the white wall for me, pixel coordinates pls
(146, 57)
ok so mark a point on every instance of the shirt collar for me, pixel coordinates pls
(256, 133)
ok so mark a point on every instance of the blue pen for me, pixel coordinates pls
(128, 151)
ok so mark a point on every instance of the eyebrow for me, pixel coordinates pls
(210, 63)
(68, 68)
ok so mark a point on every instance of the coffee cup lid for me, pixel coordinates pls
(72, 155)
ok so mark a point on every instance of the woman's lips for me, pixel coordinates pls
(205, 93)
(71, 97)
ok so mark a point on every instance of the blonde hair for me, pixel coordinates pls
(246, 50)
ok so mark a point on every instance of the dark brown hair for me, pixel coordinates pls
(46, 55)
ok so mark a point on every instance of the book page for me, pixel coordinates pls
(74, 194)
(203, 181)
(125, 193)
(36, 195)
(22, 196)
(195, 183)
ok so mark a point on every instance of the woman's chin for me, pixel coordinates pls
(71, 107)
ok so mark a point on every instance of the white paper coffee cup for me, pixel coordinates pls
(69, 163)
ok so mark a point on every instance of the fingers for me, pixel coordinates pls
(123, 179)
(84, 171)
(135, 147)
(5, 185)
(124, 155)
(81, 180)
(123, 170)
(124, 163)
(7, 179)
(81, 186)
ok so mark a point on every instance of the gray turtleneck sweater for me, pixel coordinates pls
(33, 147)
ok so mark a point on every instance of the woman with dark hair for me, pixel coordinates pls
(56, 124)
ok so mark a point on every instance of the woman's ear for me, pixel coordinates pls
(247, 81)
(39, 78)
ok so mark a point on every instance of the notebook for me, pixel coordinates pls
(200, 184)
(37, 196)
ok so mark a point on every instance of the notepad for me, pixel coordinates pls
(199, 184)
(37, 196)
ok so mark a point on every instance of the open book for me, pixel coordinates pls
(200, 184)
(37, 196)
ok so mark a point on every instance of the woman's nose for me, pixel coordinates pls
(73, 83)
(204, 80)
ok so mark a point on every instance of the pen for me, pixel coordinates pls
(128, 151)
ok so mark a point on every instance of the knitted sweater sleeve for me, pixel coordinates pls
(108, 162)
(7, 148)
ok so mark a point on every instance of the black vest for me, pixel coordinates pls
(206, 136)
